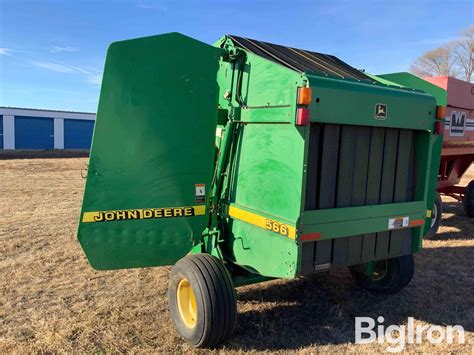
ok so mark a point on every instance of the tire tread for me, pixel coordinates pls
(439, 204)
(401, 270)
(218, 299)
(468, 200)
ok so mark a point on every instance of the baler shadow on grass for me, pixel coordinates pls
(319, 310)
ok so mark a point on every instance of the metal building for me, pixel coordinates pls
(24, 128)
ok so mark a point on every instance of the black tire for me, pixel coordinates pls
(390, 276)
(468, 200)
(214, 304)
(437, 214)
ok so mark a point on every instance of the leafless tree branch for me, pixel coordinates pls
(454, 59)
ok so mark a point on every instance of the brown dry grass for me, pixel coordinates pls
(52, 301)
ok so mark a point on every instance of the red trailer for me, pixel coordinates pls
(458, 142)
(458, 137)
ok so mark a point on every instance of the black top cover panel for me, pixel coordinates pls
(300, 60)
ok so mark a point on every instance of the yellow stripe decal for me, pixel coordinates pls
(144, 213)
(263, 222)
(428, 213)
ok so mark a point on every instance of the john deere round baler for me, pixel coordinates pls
(248, 161)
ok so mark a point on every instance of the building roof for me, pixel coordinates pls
(44, 109)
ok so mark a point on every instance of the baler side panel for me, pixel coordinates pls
(267, 168)
(269, 90)
(153, 142)
(267, 180)
(268, 161)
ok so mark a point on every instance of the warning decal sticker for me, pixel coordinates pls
(145, 213)
(200, 193)
(399, 222)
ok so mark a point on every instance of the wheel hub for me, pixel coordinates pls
(186, 303)
(380, 270)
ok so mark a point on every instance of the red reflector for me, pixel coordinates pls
(438, 129)
(302, 116)
(417, 222)
(311, 236)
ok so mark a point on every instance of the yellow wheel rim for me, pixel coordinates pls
(186, 303)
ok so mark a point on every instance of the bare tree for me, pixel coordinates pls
(437, 62)
(455, 59)
(464, 53)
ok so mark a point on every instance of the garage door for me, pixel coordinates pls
(78, 134)
(34, 133)
(1, 132)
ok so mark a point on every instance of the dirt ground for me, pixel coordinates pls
(53, 301)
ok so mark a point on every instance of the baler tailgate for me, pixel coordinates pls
(147, 193)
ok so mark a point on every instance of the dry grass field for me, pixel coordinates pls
(51, 300)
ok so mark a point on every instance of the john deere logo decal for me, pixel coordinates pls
(380, 111)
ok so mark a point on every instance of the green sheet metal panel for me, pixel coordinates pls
(269, 170)
(262, 251)
(427, 161)
(383, 81)
(437, 145)
(267, 163)
(268, 181)
(269, 90)
(153, 142)
(350, 102)
(414, 82)
(401, 240)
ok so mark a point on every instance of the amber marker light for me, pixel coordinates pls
(441, 112)
(304, 96)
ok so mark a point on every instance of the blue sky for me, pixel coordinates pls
(52, 52)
